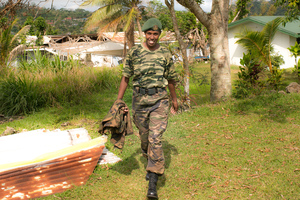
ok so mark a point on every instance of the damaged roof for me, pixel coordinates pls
(119, 36)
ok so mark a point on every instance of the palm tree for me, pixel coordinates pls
(259, 44)
(8, 47)
(114, 15)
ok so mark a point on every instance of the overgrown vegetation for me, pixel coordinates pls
(238, 149)
(46, 81)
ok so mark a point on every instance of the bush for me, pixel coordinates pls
(248, 82)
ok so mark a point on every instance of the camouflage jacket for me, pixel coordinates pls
(149, 68)
(117, 123)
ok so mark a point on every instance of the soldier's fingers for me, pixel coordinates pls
(172, 110)
(126, 109)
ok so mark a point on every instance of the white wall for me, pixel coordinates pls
(280, 42)
(102, 60)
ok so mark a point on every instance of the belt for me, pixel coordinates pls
(149, 91)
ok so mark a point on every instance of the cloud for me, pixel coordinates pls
(58, 4)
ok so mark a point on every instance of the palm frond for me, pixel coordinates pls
(112, 15)
(129, 17)
(250, 40)
(16, 51)
(271, 27)
(100, 16)
(97, 2)
(24, 30)
(254, 42)
(269, 31)
(110, 26)
(5, 42)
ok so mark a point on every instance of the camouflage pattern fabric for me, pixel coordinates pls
(150, 115)
(117, 123)
(149, 68)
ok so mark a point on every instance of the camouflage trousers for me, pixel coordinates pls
(150, 115)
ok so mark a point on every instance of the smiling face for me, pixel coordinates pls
(151, 39)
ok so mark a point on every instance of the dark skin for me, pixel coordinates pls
(152, 45)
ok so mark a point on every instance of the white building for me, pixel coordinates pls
(284, 38)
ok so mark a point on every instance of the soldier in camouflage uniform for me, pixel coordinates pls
(151, 68)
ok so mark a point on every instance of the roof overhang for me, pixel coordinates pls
(291, 28)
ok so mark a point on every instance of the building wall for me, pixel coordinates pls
(97, 60)
(280, 42)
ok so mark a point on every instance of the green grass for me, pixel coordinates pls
(239, 149)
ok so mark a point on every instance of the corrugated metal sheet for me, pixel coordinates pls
(42, 162)
(49, 177)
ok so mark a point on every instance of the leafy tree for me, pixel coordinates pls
(9, 10)
(30, 21)
(40, 25)
(293, 8)
(112, 15)
(186, 20)
(241, 10)
(264, 7)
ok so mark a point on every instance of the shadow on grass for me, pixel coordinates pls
(131, 163)
(275, 107)
(290, 76)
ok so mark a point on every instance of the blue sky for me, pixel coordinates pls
(74, 4)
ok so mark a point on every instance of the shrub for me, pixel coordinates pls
(19, 94)
(251, 76)
(248, 82)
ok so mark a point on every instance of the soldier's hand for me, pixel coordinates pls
(174, 107)
(126, 109)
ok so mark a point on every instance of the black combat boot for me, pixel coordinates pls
(152, 193)
(147, 176)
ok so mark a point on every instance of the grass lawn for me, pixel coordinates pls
(239, 149)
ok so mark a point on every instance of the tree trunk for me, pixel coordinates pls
(220, 67)
(129, 34)
(139, 25)
(216, 23)
(182, 46)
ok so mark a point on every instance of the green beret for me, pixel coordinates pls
(153, 24)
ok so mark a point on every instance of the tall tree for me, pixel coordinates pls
(216, 23)
(182, 45)
(40, 25)
(8, 11)
(293, 8)
(241, 10)
(113, 14)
